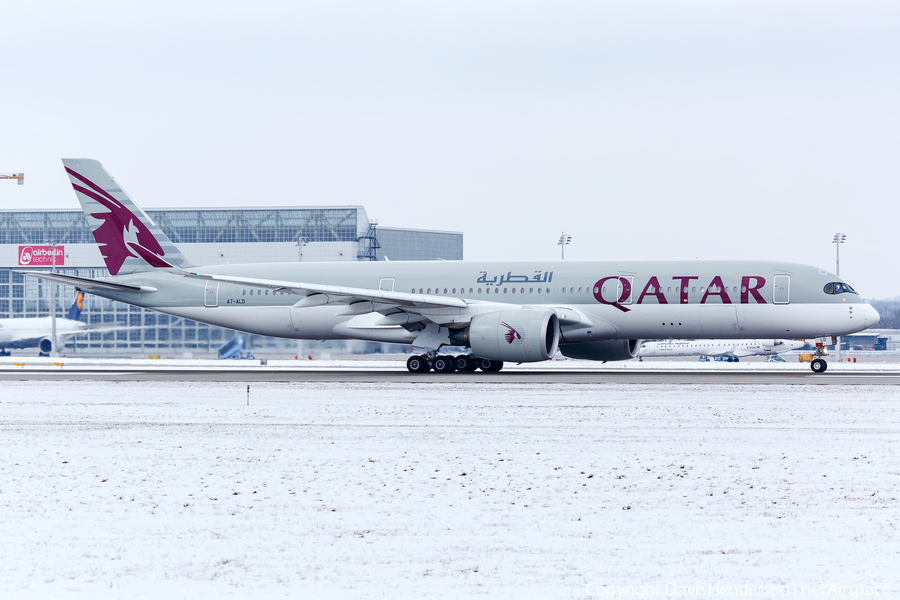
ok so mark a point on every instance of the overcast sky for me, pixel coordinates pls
(713, 130)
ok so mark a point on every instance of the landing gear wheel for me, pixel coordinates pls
(489, 366)
(417, 364)
(818, 366)
(736, 359)
(465, 363)
(444, 364)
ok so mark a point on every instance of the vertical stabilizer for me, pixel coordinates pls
(75, 310)
(129, 240)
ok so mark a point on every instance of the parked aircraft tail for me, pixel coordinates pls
(75, 310)
(129, 240)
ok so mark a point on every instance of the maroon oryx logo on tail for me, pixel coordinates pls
(121, 233)
(511, 335)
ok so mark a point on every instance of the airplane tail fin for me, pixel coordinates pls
(75, 310)
(129, 240)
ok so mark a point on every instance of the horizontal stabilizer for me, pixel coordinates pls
(88, 285)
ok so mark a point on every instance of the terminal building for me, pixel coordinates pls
(206, 237)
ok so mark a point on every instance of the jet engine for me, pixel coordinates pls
(605, 350)
(526, 335)
(45, 345)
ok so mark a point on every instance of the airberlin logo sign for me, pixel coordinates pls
(617, 290)
(41, 256)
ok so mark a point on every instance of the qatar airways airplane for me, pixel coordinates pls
(500, 311)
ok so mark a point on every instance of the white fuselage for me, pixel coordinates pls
(734, 348)
(21, 333)
(668, 300)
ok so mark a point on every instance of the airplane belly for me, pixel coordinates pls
(278, 321)
(718, 320)
(663, 321)
(799, 320)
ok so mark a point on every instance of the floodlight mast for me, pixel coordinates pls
(838, 239)
(564, 241)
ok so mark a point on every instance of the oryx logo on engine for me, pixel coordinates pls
(511, 335)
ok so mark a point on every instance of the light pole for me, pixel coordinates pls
(53, 303)
(301, 242)
(837, 241)
(562, 243)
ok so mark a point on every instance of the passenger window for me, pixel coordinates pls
(505, 290)
(429, 290)
(245, 292)
(479, 290)
(445, 290)
(539, 290)
(420, 290)
(454, 290)
(530, 290)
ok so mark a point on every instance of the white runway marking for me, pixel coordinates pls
(401, 490)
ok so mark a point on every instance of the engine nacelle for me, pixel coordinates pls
(526, 335)
(605, 350)
(45, 345)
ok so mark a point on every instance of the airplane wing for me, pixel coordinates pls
(88, 285)
(317, 294)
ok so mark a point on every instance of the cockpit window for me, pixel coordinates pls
(838, 287)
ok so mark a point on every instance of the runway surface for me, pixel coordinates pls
(389, 372)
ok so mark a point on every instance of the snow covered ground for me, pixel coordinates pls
(335, 490)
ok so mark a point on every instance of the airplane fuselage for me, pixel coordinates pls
(594, 300)
(719, 347)
(28, 332)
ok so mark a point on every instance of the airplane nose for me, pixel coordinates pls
(871, 316)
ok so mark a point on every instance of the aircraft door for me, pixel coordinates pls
(386, 284)
(781, 289)
(626, 289)
(211, 294)
(617, 290)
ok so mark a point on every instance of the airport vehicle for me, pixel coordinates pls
(730, 349)
(36, 331)
(500, 311)
(234, 348)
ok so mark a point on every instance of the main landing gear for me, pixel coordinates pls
(818, 365)
(464, 363)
